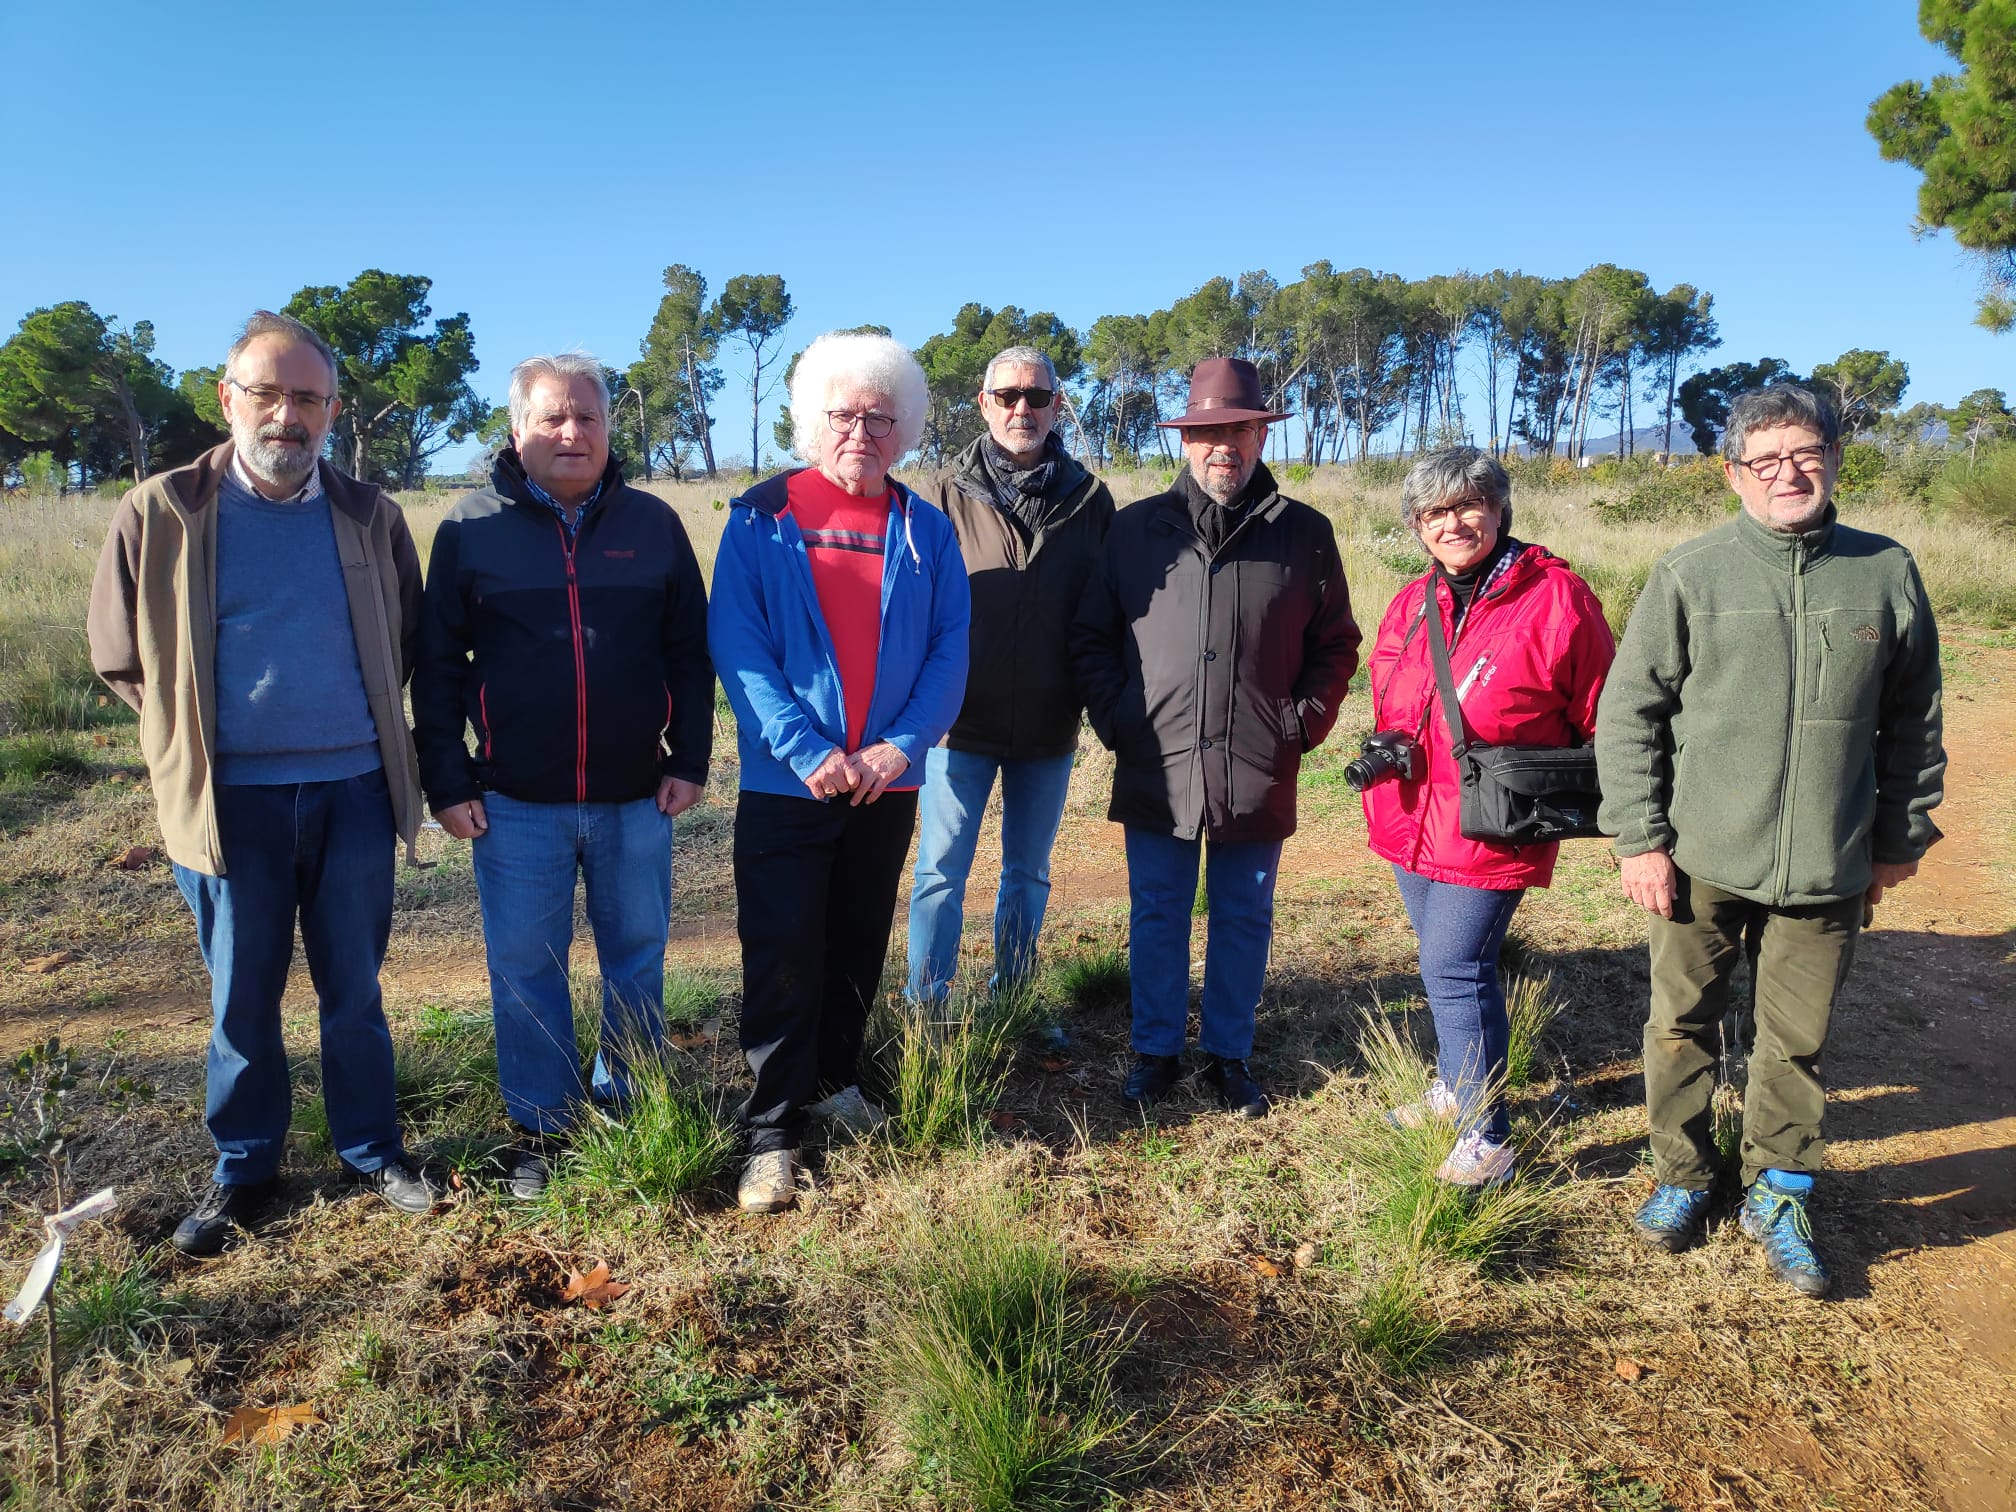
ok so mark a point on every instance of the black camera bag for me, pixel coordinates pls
(1520, 795)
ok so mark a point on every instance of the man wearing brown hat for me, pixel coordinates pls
(1213, 647)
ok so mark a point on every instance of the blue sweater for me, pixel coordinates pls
(290, 692)
(776, 658)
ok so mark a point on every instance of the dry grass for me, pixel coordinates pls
(1280, 1315)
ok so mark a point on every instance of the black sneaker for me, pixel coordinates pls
(1235, 1087)
(1150, 1077)
(222, 1209)
(528, 1165)
(401, 1183)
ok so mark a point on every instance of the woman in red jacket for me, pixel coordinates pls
(1528, 650)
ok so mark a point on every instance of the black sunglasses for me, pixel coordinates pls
(1039, 398)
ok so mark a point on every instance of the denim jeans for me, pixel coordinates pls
(949, 809)
(1460, 930)
(526, 863)
(1162, 889)
(815, 897)
(322, 851)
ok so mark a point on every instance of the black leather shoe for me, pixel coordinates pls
(528, 1165)
(1236, 1087)
(1150, 1077)
(222, 1209)
(401, 1183)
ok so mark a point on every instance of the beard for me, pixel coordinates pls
(1221, 488)
(286, 465)
(1022, 440)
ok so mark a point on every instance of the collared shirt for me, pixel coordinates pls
(242, 476)
(570, 520)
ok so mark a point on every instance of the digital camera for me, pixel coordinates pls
(1387, 754)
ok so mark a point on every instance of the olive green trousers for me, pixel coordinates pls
(1800, 959)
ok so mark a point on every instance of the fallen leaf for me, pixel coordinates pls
(100, 740)
(1628, 1369)
(178, 1370)
(119, 777)
(1055, 1063)
(267, 1425)
(1305, 1254)
(594, 1290)
(137, 856)
(1268, 1268)
(1003, 1120)
(703, 1033)
(43, 965)
(455, 1181)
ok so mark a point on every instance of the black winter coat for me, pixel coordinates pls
(1021, 697)
(581, 665)
(1208, 674)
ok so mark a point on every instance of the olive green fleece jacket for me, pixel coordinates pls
(1772, 718)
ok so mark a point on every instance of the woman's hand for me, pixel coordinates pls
(835, 775)
(877, 766)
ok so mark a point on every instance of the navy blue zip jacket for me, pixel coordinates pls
(581, 665)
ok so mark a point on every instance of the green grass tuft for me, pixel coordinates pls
(946, 1067)
(995, 1374)
(1093, 981)
(30, 758)
(1531, 1006)
(117, 1310)
(1393, 1320)
(672, 1139)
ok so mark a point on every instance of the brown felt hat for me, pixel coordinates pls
(1224, 391)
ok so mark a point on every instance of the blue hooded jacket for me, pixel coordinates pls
(776, 658)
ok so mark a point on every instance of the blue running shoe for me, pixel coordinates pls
(1774, 1214)
(1671, 1217)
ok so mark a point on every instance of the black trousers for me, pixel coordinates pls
(815, 896)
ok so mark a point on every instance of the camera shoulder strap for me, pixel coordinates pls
(1438, 653)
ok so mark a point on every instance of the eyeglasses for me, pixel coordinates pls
(268, 397)
(1765, 469)
(1469, 511)
(844, 421)
(1039, 398)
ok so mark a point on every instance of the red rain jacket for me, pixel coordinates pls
(1529, 661)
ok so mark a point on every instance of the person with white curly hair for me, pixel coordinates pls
(838, 623)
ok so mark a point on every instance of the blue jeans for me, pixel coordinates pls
(526, 863)
(954, 796)
(1460, 930)
(1162, 889)
(323, 851)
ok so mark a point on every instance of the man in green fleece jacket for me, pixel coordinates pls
(1769, 746)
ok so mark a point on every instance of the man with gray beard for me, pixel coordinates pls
(1212, 648)
(259, 609)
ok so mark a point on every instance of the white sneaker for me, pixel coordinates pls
(1439, 1105)
(848, 1110)
(769, 1182)
(1476, 1162)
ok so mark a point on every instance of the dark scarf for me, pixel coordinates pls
(1028, 496)
(1215, 522)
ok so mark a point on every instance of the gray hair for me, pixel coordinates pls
(857, 359)
(1451, 473)
(1020, 356)
(266, 323)
(1774, 405)
(561, 365)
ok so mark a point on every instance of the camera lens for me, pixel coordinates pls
(1372, 767)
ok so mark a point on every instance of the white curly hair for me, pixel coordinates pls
(851, 359)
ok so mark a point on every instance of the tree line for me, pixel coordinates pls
(1366, 361)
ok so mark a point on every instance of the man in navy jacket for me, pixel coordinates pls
(566, 623)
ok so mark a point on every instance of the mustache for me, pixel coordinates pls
(284, 433)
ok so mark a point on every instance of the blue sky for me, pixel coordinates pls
(542, 164)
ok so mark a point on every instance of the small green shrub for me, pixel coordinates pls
(1981, 489)
(1684, 491)
(993, 1371)
(1863, 464)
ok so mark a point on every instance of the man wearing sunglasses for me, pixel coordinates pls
(1770, 751)
(1030, 520)
(260, 610)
